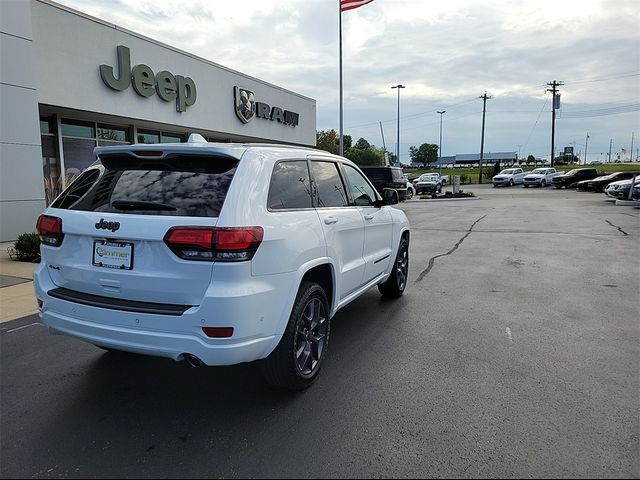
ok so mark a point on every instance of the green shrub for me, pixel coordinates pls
(28, 246)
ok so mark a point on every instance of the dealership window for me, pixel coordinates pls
(167, 137)
(50, 159)
(109, 134)
(78, 142)
(74, 128)
(148, 136)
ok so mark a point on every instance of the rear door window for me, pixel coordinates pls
(290, 186)
(178, 185)
(328, 188)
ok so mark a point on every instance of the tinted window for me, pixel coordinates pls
(329, 190)
(178, 186)
(397, 175)
(362, 192)
(78, 188)
(290, 186)
(378, 175)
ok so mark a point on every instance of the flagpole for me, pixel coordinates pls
(341, 113)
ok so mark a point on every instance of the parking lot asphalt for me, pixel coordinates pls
(515, 352)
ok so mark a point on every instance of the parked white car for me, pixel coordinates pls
(444, 179)
(540, 177)
(217, 253)
(428, 183)
(509, 177)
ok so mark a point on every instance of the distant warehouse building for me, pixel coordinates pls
(472, 158)
(70, 82)
(504, 158)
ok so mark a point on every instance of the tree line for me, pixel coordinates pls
(365, 153)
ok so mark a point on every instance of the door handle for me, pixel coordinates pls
(330, 220)
(368, 217)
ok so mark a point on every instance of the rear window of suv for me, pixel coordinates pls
(179, 185)
(378, 175)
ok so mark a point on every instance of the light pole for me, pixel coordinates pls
(440, 147)
(519, 148)
(586, 144)
(398, 134)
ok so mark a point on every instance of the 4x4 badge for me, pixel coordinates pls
(113, 226)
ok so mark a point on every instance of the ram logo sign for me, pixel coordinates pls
(247, 108)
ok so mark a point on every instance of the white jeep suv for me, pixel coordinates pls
(217, 253)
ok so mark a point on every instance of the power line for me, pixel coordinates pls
(606, 78)
(537, 120)
(634, 107)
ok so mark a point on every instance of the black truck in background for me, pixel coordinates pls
(572, 177)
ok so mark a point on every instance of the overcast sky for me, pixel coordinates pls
(446, 53)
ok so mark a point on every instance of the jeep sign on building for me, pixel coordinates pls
(70, 82)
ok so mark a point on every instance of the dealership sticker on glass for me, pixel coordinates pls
(111, 254)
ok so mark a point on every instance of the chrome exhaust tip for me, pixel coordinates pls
(192, 360)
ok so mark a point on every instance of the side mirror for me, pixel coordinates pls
(391, 196)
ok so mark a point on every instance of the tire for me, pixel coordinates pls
(525, 185)
(409, 194)
(439, 189)
(543, 183)
(296, 361)
(397, 281)
(511, 182)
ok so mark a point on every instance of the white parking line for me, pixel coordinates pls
(509, 334)
(24, 326)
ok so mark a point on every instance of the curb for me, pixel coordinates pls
(628, 203)
(442, 199)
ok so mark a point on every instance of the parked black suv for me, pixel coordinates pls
(572, 177)
(387, 177)
(598, 184)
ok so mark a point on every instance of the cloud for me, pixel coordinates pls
(444, 52)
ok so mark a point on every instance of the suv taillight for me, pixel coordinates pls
(50, 230)
(234, 244)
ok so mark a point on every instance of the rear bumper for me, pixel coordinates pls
(255, 311)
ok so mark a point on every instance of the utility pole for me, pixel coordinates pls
(631, 151)
(519, 147)
(484, 98)
(398, 135)
(585, 148)
(384, 146)
(440, 147)
(610, 143)
(555, 104)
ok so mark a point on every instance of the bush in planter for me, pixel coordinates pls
(27, 246)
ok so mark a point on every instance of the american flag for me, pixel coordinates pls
(351, 4)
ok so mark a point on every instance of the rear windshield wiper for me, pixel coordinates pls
(136, 205)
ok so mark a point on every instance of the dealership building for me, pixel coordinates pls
(70, 82)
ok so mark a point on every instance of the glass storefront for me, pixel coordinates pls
(79, 138)
(50, 158)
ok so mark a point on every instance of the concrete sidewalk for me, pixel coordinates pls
(17, 298)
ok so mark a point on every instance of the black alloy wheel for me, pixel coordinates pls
(311, 336)
(296, 361)
(397, 281)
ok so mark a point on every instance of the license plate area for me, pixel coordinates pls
(113, 254)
